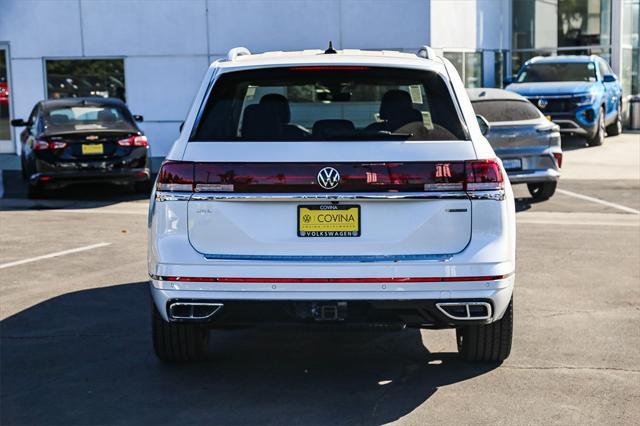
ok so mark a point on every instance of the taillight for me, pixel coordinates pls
(474, 175)
(483, 175)
(176, 176)
(40, 145)
(558, 157)
(134, 141)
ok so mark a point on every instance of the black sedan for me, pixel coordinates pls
(82, 140)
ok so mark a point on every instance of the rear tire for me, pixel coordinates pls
(487, 343)
(178, 342)
(598, 138)
(542, 191)
(615, 128)
(34, 192)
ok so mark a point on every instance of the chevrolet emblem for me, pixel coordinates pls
(92, 138)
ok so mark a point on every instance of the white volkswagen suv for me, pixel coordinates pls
(346, 187)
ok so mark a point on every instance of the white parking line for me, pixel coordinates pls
(599, 201)
(50, 255)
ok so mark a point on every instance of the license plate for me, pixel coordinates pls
(92, 149)
(329, 220)
(512, 164)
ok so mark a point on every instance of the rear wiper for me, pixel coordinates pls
(368, 136)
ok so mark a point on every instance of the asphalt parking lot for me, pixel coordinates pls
(76, 348)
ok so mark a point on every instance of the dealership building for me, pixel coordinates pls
(154, 53)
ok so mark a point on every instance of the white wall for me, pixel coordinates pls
(167, 44)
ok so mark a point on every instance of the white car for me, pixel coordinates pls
(348, 187)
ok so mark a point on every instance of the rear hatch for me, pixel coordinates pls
(520, 134)
(256, 209)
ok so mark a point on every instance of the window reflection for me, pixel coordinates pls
(85, 77)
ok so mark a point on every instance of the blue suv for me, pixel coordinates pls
(579, 93)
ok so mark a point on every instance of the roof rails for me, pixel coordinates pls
(237, 51)
(426, 52)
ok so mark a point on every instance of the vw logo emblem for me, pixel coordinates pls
(542, 103)
(328, 178)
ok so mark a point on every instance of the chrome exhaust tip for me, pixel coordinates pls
(465, 311)
(194, 311)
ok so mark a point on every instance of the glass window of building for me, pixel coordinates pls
(562, 27)
(72, 78)
(468, 65)
(630, 72)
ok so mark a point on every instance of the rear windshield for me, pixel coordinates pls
(506, 110)
(570, 71)
(87, 117)
(329, 103)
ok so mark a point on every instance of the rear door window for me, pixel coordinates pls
(329, 103)
(506, 110)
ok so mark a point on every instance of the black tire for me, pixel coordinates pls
(542, 191)
(178, 342)
(598, 138)
(35, 192)
(615, 128)
(487, 343)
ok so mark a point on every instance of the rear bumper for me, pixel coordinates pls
(255, 303)
(537, 165)
(57, 179)
(440, 313)
(532, 176)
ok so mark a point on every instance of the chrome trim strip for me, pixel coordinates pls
(555, 96)
(374, 196)
(347, 258)
(465, 304)
(487, 195)
(172, 196)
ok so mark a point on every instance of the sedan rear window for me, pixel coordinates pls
(329, 103)
(86, 117)
(506, 110)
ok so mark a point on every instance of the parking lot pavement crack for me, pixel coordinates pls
(570, 367)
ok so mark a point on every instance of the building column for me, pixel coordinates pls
(616, 37)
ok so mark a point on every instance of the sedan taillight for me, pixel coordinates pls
(40, 145)
(134, 141)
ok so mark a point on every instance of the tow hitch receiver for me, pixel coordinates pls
(329, 311)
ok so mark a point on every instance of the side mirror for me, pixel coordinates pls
(507, 81)
(609, 78)
(484, 125)
(19, 122)
(181, 126)
(138, 118)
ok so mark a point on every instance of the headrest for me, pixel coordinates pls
(395, 101)
(280, 104)
(58, 119)
(107, 115)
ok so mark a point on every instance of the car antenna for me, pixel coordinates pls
(330, 50)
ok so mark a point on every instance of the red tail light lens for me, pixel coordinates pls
(40, 145)
(176, 176)
(483, 175)
(558, 157)
(475, 175)
(134, 141)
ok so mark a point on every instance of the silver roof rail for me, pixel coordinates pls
(426, 52)
(237, 51)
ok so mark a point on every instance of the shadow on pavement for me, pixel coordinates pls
(86, 358)
(74, 196)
